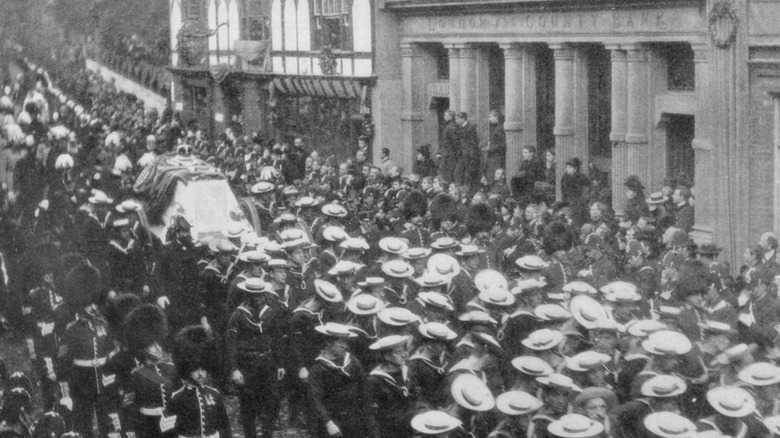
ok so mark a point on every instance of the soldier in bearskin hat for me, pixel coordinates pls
(145, 330)
(413, 212)
(445, 220)
(196, 409)
(479, 225)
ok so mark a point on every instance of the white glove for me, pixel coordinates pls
(280, 374)
(237, 378)
(67, 402)
(303, 373)
(44, 204)
(333, 430)
(163, 301)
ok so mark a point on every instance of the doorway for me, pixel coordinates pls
(680, 159)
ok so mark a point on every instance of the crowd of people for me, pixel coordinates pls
(375, 303)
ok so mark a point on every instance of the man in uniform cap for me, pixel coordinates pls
(388, 388)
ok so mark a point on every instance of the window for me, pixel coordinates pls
(333, 24)
(255, 26)
(681, 69)
(194, 10)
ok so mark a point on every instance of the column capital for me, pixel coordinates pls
(562, 51)
(466, 50)
(410, 50)
(701, 52)
(452, 51)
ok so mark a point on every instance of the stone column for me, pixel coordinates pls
(454, 62)
(638, 102)
(619, 126)
(705, 182)
(567, 86)
(519, 102)
(412, 116)
(468, 81)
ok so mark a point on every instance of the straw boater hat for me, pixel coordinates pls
(334, 210)
(306, 202)
(335, 330)
(262, 187)
(416, 253)
(444, 265)
(656, 198)
(593, 392)
(532, 366)
(355, 244)
(587, 360)
(99, 197)
(430, 280)
(713, 326)
(670, 425)
(644, 327)
(559, 381)
(667, 343)
(436, 331)
(292, 234)
(288, 218)
(334, 234)
(277, 264)
(587, 311)
(256, 257)
(370, 282)
(469, 250)
(470, 392)
(435, 423)
(773, 424)
(516, 403)
(760, 374)
(327, 291)
(663, 386)
(551, 312)
(497, 297)
(445, 242)
(477, 317)
(253, 285)
(579, 287)
(735, 353)
(436, 299)
(390, 342)
(343, 267)
(234, 230)
(365, 304)
(531, 263)
(528, 285)
(575, 426)
(393, 245)
(616, 286)
(489, 278)
(731, 401)
(397, 316)
(543, 339)
(397, 269)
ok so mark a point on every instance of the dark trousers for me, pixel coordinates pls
(447, 169)
(259, 396)
(88, 402)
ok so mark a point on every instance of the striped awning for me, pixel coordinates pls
(340, 88)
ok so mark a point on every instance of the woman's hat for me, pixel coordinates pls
(397, 316)
(365, 304)
(667, 343)
(559, 381)
(389, 342)
(253, 285)
(327, 291)
(731, 401)
(517, 403)
(436, 299)
(633, 183)
(435, 422)
(470, 392)
(393, 245)
(543, 339)
(663, 385)
(593, 392)
(334, 210)
(670, 425)
(489, 278)
(575, 426)
(579, 287)
(532, 365)
(551, 312)
(531, 263)
(587, 311)
(334, 234)
(760, 374)
(437, 331)
(444, 265)
(586, 361)
(397, 269)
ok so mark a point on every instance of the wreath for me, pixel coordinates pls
(724, 22)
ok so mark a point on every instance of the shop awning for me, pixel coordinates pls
(340, 88)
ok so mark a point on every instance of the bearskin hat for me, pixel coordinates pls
(414, 204)
(480, 218)
(443, 207)
(693, 278)
(17, 405)
(81, 286)
(118, 309)
(144, 325)
(556, 238)
(49, 424)
(194, 348)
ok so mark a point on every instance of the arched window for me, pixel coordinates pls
(290, 28)
(255, 24)
(333, 21)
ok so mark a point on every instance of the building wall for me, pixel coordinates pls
(387, 94)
